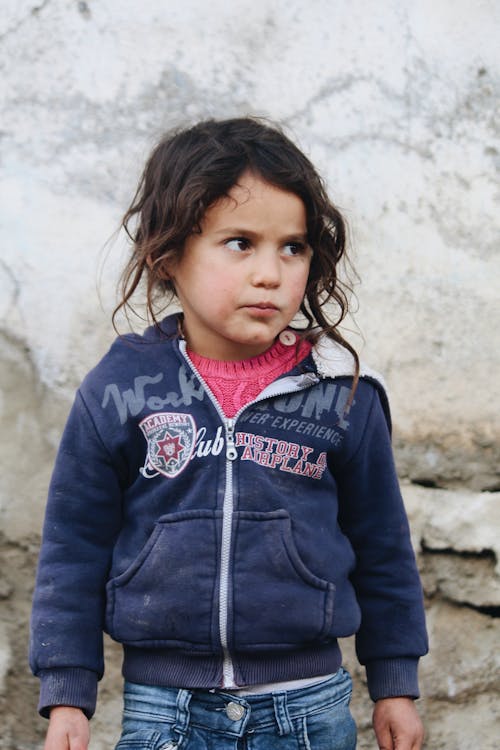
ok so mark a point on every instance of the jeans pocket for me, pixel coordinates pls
(332, 727)
(144, 740)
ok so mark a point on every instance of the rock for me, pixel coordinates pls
(455, 533)
(464, 658)
(463, 578)
(462, 726)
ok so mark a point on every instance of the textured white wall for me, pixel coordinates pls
(394, 101)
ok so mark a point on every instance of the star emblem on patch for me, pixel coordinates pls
(170, 446)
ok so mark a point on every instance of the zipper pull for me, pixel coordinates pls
(231, 452)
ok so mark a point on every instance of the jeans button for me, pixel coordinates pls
(235, 711)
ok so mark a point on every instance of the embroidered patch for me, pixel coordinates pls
(171, 439)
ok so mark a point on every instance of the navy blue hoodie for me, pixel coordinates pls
(224, 552)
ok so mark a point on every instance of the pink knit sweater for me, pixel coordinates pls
(235, 384)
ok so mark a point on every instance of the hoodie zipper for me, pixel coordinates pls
(228, 503)
(225, 554)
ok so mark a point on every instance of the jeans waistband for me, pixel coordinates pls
(231, 714)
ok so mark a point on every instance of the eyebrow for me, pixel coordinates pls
(241, 232)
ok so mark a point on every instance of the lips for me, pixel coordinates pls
(262, 310)
(262, 306)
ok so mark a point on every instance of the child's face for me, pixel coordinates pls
(242, 280)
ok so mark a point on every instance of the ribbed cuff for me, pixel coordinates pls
(392, 678)
(68, 686)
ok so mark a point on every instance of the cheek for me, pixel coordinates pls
(298, 287)
(217, 295)
(224, 282)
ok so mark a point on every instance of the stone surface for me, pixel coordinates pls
(467, 579)
(462, 726)
(28, 425)
(397, 105)
(456, 536)
(5, 657)
(464, 658)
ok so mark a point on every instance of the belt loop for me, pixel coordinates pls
(281, 714)
(182, 712)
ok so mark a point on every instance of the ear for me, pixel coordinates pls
(163, 273)
(161, 267)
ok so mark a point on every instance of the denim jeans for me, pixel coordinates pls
(311, 718)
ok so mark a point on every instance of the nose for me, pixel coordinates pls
(266, 271)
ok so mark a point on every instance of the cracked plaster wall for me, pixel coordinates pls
(397, 103)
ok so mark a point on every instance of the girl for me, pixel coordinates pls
(224, 501)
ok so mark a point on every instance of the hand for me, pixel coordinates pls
(68, 729)
(397, 724)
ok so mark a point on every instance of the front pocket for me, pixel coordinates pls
(140, 740)
(277, 600)
(166, 596)
(146, 740)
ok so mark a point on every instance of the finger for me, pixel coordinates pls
(384, 738)
(406, 741)
(77, 743)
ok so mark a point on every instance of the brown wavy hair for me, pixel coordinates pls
(188, 171)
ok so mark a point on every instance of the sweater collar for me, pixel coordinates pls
(331, 360)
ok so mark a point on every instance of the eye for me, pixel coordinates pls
(237, 243)
(295, 248)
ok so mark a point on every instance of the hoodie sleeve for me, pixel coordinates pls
(392, 635)
(81, 523)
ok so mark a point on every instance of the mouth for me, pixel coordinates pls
(261, 309)
(262, 306)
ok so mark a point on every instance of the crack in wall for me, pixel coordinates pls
(84, 9)
(491, 611)
(464, 578)
(16, 287)
(484, 554)
(34, 12)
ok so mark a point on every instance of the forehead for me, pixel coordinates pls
(253, 200)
